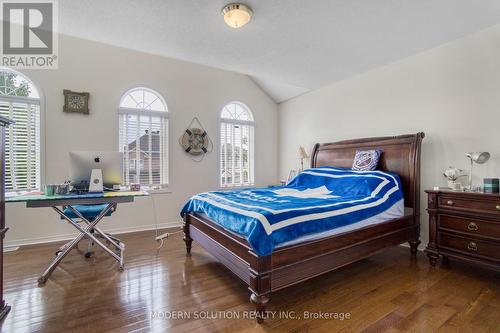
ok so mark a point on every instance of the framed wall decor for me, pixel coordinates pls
(76, 102)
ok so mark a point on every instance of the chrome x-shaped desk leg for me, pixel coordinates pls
(84, 232)
(113, 240)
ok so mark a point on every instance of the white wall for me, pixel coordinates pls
(107, 72)
(452, 93)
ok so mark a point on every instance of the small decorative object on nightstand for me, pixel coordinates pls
(452, 175)
(76, 102)
(464, 226)
(491, 185)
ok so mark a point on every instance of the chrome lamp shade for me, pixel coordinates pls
(479, 158)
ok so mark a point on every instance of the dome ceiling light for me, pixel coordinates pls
(236, 15)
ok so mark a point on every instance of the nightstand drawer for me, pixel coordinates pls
(487, 206)
(470, 226)
(470, 246)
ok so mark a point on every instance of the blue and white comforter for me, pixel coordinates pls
(316, 200)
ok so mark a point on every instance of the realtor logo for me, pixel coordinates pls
(29, 34)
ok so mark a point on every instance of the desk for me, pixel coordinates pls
(87, 228)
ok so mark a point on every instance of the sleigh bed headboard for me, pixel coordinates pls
(400, 154)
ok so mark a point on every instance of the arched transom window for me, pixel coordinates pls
(144, 138)
(20, 101)
(236, 146)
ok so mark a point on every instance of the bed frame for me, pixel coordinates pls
(290, 265)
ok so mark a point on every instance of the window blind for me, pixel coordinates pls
(144, 143)
(236, 154)
(22, 143)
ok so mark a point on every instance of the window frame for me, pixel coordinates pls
(250, 123)
(40, 101)
(154, 113)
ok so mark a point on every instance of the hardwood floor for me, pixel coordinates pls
(386, 293)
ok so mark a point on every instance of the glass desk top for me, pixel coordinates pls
(38, 199)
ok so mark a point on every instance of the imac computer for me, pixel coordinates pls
(95, 170)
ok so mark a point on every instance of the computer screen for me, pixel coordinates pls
(82, 162)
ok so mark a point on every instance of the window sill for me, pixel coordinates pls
(159, 191)
(236, 187)
(17, 193)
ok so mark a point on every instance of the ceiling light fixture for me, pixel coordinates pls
(236, 15)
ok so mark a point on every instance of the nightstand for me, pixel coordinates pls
(464, 226)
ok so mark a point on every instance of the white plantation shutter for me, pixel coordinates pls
(22, 139)
(143, 130)
(236, 146)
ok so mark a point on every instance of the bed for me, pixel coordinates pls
(266, 269)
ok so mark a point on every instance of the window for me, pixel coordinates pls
(236, 146)
(20, 101)
(132, 164)
(143, 131)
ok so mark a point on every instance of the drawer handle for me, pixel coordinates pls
(472, 246)
(472, 227)
(498, 207)
(451, 203)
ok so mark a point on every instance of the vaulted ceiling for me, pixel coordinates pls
(290, 46)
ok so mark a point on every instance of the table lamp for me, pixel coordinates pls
(479, 158)
(302, 156)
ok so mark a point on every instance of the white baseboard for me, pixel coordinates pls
(10, 249)
(11, 245)
(116, 231)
